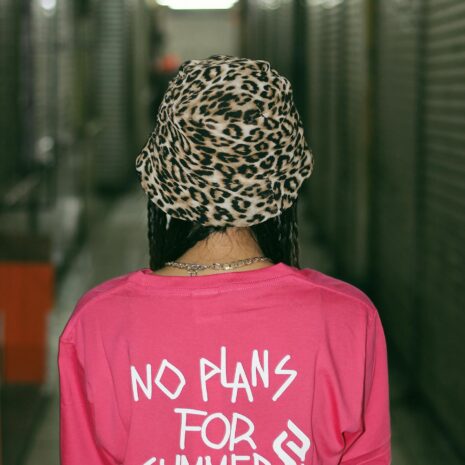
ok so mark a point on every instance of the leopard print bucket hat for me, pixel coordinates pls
(228, 147)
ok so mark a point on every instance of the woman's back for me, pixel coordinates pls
(265, 366)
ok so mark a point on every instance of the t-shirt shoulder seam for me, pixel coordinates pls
(371, 308)
(96, 295)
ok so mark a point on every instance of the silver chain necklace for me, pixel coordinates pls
(192, 268)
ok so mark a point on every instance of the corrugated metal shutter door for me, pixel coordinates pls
(268, 36)
(45, 82)
(316, 103)
(333, 64)
(9, 119)
(65, 92)
(254, 31)
(394, 176)
(114, 160)
(283, 31)
(338, 127)
(353, 190)
(258, 30)
(140, 124)
(443, 229)
(324, 46)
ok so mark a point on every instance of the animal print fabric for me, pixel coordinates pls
(228, 147)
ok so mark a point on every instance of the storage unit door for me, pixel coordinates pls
(315, 105)
(353, 186)
(394, 174)
(114, 160)
(442, 256)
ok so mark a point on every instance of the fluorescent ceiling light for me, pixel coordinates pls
(48, 5)
(198, 4)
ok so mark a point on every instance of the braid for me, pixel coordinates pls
(168, 240)
(288, 235)
(294, 235)
(170, 237)
(278, 237)
(155, 223)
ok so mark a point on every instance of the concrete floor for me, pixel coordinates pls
(116, 245)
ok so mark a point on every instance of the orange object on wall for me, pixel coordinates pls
(26, 297)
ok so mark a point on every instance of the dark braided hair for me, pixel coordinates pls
(277, 237)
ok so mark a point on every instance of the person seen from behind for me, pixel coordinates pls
(224, 349)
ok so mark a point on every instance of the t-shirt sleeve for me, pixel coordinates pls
(78, 443)
(372, 445)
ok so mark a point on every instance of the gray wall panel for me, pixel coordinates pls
(338, 110)
(316, 125)
(113, 162)
(354, 195)
(442, 256)
(334, 63)
(9, 117)
(394, 176)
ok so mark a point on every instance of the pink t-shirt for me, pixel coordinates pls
(277, 365)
